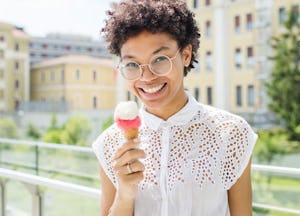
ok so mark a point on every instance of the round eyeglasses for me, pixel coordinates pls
(159, 65)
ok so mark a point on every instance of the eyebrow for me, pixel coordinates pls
(153, 53)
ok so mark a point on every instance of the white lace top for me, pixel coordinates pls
(193, 158)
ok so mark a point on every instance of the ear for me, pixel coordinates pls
(187, 55)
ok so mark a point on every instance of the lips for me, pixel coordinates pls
(153, 90)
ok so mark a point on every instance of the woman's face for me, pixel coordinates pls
(162, 95)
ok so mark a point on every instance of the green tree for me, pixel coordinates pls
(32, 132)
(283, 87)
(77, 130)
(271, 144)
(8, 128)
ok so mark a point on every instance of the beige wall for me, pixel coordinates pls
(13, 50)
(78, 87)
(245, 75)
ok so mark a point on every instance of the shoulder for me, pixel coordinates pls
(107, 142)
(216, 117)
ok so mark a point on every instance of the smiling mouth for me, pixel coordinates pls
(153, 89)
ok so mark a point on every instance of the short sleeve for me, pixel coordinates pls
(104, 148)
(236, 139)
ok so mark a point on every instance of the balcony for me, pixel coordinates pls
(40, 178)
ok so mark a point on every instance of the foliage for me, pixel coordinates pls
(75, 131)
(8, 128)
(33, 132)
(271, 144)
(283, 86)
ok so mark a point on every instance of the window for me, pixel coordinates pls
(250, 97)
(207, 2)
(281, 15)
(2, 38)
(208, 61)
(44, 46)
(94, 102)
(17, 85)
(128, 95)
(68, 48)
(208, 29)
(197, 93)
(195, 4)
(17, 47)
(239, 95)
(77, 74)
(17, 104)
(238, 58)
(17, 65)
(250, 59)
(94, 75)
(209, 96)
(249, 22)
(197, 66)
(237, 24)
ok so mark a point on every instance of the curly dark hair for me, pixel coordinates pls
(130, 17)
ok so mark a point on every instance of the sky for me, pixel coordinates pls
(40, 17)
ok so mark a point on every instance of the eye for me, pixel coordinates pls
(160, 59)
(131, 65)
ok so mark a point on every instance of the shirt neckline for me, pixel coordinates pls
(181, 117)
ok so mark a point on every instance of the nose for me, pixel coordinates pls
(147, 74)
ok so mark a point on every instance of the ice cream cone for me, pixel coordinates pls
(131, 133)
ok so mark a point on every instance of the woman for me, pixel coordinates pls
(190, 159)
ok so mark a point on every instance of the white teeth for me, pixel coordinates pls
(154, 89)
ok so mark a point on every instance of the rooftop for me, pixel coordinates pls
(75, 59)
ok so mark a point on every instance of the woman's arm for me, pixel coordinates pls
(240, 195)
(121, 201)
(108, 192)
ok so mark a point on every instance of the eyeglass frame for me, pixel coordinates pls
(149, 66)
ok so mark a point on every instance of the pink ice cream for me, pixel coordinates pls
(127, 119)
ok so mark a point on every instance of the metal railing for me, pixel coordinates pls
(34, 181)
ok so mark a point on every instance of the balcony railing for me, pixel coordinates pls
(41, 178)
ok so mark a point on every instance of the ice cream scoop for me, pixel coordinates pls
(127, 119)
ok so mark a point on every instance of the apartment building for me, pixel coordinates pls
(56, 45)
(82, 82)
(234, 50)
(14, 67)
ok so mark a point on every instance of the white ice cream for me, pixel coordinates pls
(126, 110)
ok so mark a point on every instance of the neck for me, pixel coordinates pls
(167, 111)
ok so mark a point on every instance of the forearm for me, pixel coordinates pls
(122, 206)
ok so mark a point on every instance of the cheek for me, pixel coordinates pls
(131, 87)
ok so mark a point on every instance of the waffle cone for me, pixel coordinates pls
(131, 133)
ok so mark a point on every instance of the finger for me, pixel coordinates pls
(130, 144)
(133, 178)
(128, 157)
(135, 166)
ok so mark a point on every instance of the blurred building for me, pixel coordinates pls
(56, 45)
(14, 67)
(73, 82)
(234, 50)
